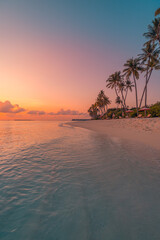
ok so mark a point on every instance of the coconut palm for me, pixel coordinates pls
(150, 60)
(106, 102)
(102, 101)
(122, 90)
(128, 87)
(133, 68)
(93, 111)
(118, 101)
(115, 82)
(153, 34)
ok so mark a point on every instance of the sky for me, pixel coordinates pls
(55, 55)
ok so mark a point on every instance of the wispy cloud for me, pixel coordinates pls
(66, 112)
(7, 107)
(35, 112)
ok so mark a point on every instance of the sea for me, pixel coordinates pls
(58, 182)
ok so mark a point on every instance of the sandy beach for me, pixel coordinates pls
(146, 131)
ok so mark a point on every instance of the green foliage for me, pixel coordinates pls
(155, 110)
(114, 113)
(134, 113)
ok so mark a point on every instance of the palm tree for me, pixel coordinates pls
(106, 102)
(115, 82)
(128, 86)
(157, 12)
(93, 111)
(132, 69)
(118, 101)
(150, 59)
(122, 90)
(102, 101)
(153, 34)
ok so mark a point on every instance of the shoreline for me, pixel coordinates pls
(146, 130)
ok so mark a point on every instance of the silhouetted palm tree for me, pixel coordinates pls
(102, 101)
(153, 34)
(128, 86)
(113, 81)
(93, 111)
(132, 69)
(106, 102)
(150, 60)
(118, 101)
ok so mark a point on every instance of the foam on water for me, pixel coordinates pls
(64, 183)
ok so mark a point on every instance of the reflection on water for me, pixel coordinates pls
(64, 183)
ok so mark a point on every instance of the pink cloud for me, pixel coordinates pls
(7, 107)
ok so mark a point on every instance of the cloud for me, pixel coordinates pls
(35, 112)
(7, 107)
(66, 112)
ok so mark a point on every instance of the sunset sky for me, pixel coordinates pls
(55, 55)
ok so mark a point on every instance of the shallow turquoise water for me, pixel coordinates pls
(64, 183)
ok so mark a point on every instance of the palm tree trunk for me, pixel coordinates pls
(145, 101)
(116, 91)
(145, 87)
(135, 84)
(124, 104)
(126, 94)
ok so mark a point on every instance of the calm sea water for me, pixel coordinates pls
(64, 183)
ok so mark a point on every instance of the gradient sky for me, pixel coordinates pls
(57, 54)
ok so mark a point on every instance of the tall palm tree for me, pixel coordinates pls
(115, 82)
(150, 60)
(132, 68)
(153, 34)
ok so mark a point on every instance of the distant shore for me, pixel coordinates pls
(146, 131)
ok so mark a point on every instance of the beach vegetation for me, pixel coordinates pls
(126, 80)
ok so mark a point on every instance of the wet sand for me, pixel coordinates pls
(146, 130)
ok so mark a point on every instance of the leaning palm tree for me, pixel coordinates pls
(132, 68)
(150, 60)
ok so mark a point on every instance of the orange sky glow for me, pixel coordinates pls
(54, 69)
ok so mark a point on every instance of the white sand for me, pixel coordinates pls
(145, 130)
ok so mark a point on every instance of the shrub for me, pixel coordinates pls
(155, 110)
